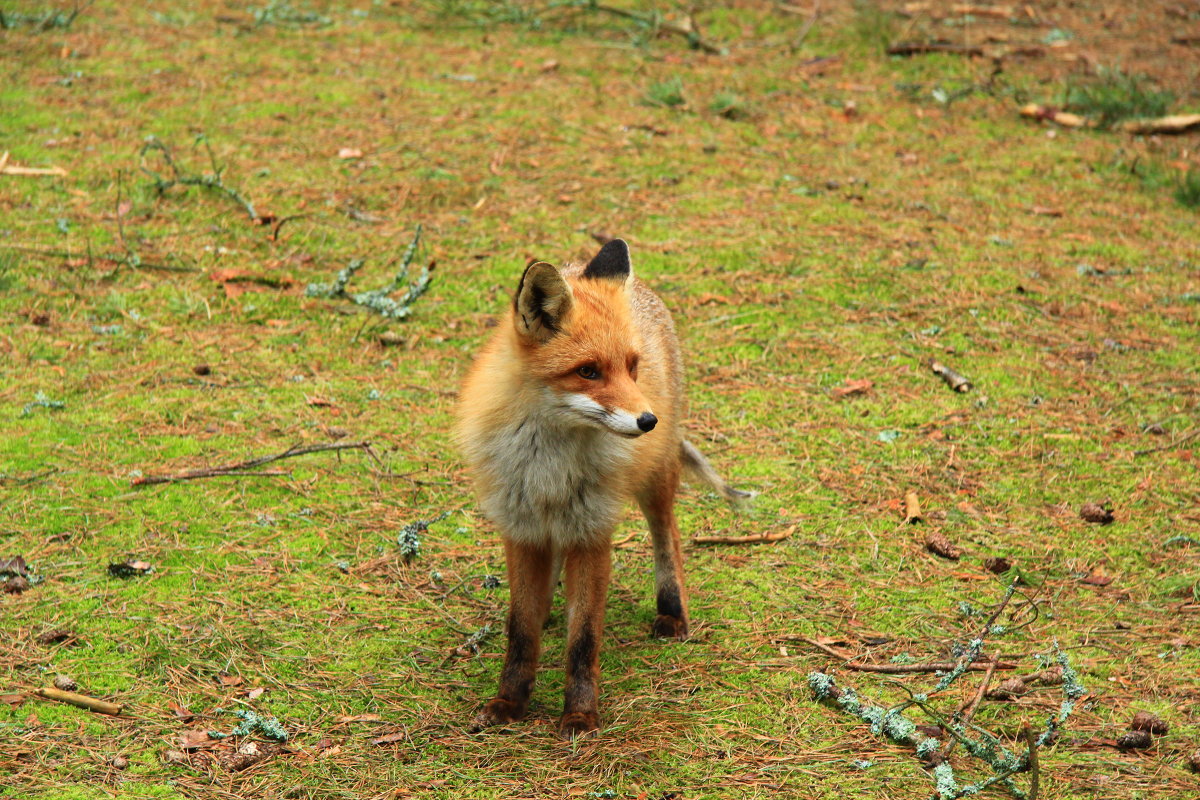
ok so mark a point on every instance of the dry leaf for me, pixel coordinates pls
(13, 700)
(181, 713)
(193, 740)
(391, 738)
(1097, 578)
(230, 680)
(349, 152)
(851, 388)
(254, 694)
(345, 719)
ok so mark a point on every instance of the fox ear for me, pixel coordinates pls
(542, 302)
(611, 263)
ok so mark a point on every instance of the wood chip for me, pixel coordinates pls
(912, 508)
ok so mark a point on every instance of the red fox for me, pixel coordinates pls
(571, 409)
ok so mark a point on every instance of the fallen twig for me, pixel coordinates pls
(687, 30)
(1031, 760)
(921, 48)
(13, 169)
(248, 467)
(1176, 123)
(756, 538)
(379, 300)
(904, 669)
(1064, 118)
(80, 700)
(953, 379)
(210, 181)
(1186, 438)
(971, 705)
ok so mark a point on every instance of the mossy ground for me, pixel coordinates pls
(848, 224)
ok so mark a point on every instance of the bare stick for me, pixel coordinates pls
(920, 48)
(1176, 443)
(248, 467)
(757, 538)
(1032, 760)
(903, 669)
(80, 700)
(12, 169)
(973, 704)
(687, 31)
(955, 381)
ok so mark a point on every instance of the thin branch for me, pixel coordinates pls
(903, 669)
(1032, 760)
(970, 706)
(248, 467)
(1186, 438)
(688, 31)
(755, 538)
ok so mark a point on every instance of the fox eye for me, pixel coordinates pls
(633, 364)
(589, 372)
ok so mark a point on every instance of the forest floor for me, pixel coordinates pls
(822, 219)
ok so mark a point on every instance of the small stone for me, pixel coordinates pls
(120, 762)
(1145, 721)
(1154, 429)
(1134, 740)
(1097, 513)
(66, 683)
(202, 369)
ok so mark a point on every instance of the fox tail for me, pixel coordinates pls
(695, 463)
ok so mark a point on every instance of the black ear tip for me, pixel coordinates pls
(611, 262)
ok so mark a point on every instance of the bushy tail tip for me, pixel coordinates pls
(695, 462)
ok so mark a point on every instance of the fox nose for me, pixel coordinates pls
(646, 421)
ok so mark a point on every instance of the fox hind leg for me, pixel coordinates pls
(658, 505)
(531, 578)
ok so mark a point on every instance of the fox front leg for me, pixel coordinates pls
(587, 572)
(531, 585)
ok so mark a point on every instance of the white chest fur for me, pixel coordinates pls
(550, 479)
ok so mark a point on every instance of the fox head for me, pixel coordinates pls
(578, 339)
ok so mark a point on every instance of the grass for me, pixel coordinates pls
(799, 249)
(1113, 96)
